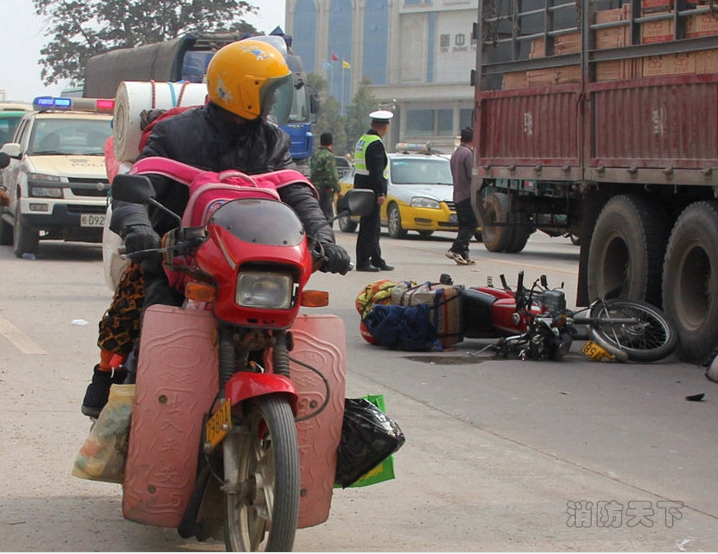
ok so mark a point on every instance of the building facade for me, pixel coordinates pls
(418, 55)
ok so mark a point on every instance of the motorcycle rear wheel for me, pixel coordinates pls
(650, 339)
(262, 478)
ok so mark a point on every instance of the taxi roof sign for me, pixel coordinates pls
(409, 147)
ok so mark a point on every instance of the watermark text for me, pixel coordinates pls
(609, 513)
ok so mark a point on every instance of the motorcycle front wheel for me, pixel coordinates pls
(261, 470)
(648, 337)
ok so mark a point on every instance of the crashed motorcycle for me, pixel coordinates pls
(535, 323)
(239, 397)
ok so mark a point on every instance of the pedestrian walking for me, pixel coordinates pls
(324, 174)
(461, 162)
(370, 162)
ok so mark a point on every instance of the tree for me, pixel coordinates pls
(80, 29)
(330, 118)
(363, 103)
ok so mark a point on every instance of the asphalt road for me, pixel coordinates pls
(501, 455)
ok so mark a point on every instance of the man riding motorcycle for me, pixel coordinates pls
(245, 80)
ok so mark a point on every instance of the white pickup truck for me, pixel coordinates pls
(56, 177)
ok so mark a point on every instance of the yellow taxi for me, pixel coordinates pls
(419, 193)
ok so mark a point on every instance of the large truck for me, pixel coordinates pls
(599, 118)
(186, 59)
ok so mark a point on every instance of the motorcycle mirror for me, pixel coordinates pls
(136, 189)
(4, 160)
(544, 281)
(355, 202)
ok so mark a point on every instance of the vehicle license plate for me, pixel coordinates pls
(92, 220)
(595, 351)
(219, 424)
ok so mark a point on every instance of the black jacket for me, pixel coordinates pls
(208, 139)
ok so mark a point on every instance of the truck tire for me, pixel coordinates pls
(519, 234)
(25, 240)
(625, 259)
(496, 239)
(690, 282)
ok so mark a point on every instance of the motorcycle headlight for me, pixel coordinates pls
(421, 202)
(264, 289)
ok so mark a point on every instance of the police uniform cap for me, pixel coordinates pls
(381, 116)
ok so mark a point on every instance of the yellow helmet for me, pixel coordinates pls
(250, 78)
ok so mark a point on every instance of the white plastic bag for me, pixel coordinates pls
(103, 456)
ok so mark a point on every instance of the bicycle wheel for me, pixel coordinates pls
(647, 337)
(261, 470)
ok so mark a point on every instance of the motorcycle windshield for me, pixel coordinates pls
(260, 222)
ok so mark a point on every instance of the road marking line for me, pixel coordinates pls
(21, 341)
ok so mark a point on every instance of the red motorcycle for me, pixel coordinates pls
(239, 398)
(535, 323)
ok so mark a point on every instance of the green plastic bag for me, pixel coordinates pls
(368, 434)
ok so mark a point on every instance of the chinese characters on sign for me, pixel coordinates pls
(461, 43)
(582, 514)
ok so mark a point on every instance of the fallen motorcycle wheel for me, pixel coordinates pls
(649, 337)
(261, 470)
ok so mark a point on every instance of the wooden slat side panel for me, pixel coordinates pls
(656, 125)
(529, 129)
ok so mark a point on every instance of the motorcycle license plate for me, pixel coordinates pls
(219, 424)
(92, 220)
(595, 351)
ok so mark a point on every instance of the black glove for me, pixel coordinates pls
(141, 237)
(337, 259)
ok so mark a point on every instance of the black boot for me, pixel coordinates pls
(98, 391)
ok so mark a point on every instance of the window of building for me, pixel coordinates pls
(341, 27)
(420, 122)
(466, 118)
(445, 122)
(376, 41)
(305, 32)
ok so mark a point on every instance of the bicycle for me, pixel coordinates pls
(620, 329)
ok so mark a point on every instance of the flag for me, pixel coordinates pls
(345, 64)
(335, 58)
(326, 65)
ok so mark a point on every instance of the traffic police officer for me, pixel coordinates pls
(370, 162)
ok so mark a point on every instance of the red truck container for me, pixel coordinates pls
(600, 119)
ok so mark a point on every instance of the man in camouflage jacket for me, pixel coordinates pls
(324, 175)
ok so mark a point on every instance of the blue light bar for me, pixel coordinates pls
(41, 103)
(50, 102)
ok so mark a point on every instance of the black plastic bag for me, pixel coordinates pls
(369, 436)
